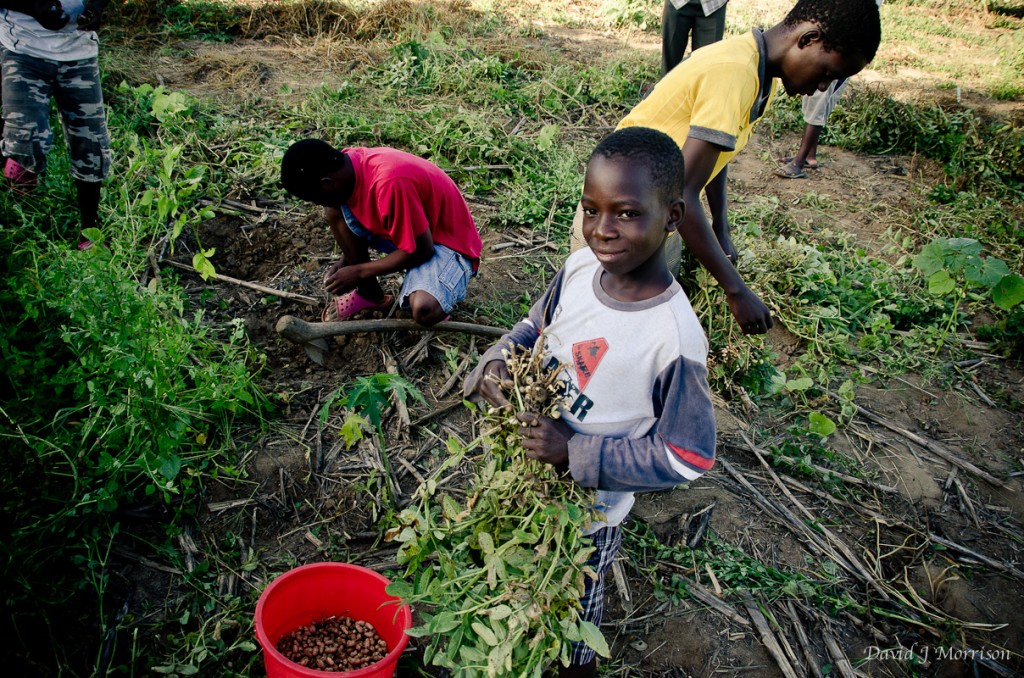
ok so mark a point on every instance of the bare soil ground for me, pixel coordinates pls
(304, 495)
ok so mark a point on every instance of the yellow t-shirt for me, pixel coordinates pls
(716, 95)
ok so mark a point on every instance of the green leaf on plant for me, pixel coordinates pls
(592, 636)
(399, 589)
(989, 273)
(93, 235)
(940, 283)
(931, 259)
(450, 507)
(801, 384)
(444, 622)
(1009, 291)
(170, 466)
(486, 543)
(546, 138)
(353, 428)
(201, 262)
(820, 424)
(499, 612)
(967, 246)
(485, 633)
(419, 632)
(166, 106)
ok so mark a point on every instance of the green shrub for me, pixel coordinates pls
(975, 151)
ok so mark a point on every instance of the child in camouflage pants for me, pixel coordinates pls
(49, 48)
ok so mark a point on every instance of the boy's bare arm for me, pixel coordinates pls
(400, 260)
(750, 312)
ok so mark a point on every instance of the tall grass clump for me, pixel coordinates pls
(116, 399)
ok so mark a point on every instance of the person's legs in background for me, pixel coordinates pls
(80, 102)
(817, 108)
(27, 136)
(709, 29)
(676, 26)
(432, 289)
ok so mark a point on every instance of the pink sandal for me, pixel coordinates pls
(347, 305)
(22, 180)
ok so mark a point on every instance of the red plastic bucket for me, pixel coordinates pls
(320, 590)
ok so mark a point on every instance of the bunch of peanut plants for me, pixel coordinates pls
(496, 579)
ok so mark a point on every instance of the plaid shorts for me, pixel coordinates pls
(607, 541)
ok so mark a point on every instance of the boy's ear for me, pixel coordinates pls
(676, 211)
(809, 37)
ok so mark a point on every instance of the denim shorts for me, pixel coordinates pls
(444, 276)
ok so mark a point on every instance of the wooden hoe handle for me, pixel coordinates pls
(302, 332)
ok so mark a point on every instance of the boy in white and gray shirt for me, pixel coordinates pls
(639, 415)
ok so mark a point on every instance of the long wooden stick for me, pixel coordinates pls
(714, 602)
(300, 331)
(839, 660)
(813, 667)
(835, 543)
(251, 285)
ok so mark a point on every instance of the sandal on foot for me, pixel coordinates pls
(790, 171)
(808, 164)
(348, 304)
(22, 180)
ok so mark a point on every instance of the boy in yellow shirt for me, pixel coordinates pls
(709, 104)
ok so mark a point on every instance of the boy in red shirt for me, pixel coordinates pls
(398, 204)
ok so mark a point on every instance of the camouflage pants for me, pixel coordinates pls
(28, 84)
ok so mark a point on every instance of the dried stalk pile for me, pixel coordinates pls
(496, 579)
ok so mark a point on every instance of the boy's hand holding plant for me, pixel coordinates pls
(495, 384)
(545, 439)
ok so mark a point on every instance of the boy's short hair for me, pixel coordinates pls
(850, 27)
(655, 150)
(305, 163)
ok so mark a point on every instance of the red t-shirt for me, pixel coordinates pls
(399, 196)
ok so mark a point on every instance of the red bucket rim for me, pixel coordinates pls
(404, 615)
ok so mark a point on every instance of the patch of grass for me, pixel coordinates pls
(975, 152)
(934, 36)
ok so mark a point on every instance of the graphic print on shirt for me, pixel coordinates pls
(580, 404)
(586, 356)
